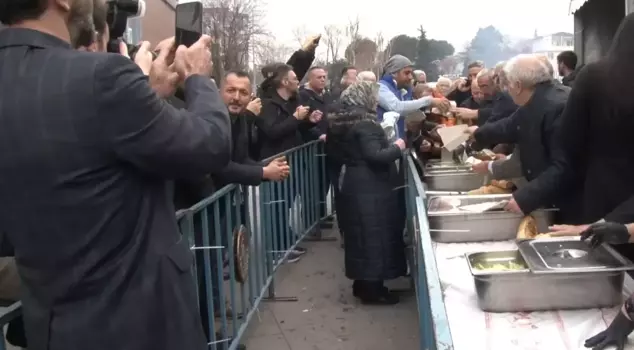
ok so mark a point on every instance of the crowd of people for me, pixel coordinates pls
(102, 152)
(574, 141)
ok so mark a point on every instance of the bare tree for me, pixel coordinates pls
(237, 28)
(300, 34)
(333, 38)
(352, 33)
(271, 51)
(383, 52)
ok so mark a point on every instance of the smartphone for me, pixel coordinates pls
(189, 22)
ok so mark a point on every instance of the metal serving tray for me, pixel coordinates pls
(452, 226)
(527, 290)
(451, 166)
(569, 255)
(453, 179)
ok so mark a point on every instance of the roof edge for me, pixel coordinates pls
(576, 5)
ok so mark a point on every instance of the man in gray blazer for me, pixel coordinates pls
(87, 148)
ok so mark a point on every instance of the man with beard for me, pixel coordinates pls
(567, 66)
(242, 169)
(104, 266)
(236, 94)
(284, 123)
(396, 95)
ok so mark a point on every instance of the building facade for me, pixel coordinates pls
(157, 24)
(552, 45)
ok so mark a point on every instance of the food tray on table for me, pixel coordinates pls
(548, 274)
(477, 218)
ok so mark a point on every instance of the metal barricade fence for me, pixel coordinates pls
(242, 235)
(434, 325)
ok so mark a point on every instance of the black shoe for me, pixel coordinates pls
(372, 294)
(383, 299)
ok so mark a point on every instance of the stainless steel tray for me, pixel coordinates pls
(570, 254)
(460, 226)
(525, 290)
(453, 180)
(433, 167)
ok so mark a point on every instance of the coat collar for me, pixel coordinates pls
(10, 37)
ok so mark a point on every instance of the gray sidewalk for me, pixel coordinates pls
(327, 316)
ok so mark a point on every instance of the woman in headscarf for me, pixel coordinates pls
(370, 202)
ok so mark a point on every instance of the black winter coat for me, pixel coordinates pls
(317, 102)
(533, 127)
(371, 199)
(598, 143)
(500, 107)
(276, 128)
(241, 169)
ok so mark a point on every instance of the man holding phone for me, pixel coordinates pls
(92, 145)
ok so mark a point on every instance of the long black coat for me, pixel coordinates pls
(597, 132)
(371, 201)
(534, 129)
(102, 262)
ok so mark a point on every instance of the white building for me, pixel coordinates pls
(552, 45)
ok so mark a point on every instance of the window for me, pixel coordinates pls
(134, 33)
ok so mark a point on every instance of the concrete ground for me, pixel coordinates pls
(327, 316)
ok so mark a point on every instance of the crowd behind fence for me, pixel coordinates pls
(242, 235)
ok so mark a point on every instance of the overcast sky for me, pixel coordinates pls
(453, 20)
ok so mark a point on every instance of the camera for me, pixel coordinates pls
(118, 13)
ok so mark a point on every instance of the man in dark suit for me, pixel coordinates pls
(88, 148)
(533, 127)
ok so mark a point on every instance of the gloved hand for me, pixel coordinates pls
(606, 232)
(615, 335)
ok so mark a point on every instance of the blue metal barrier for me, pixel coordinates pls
(271, 219)
(434, 325)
